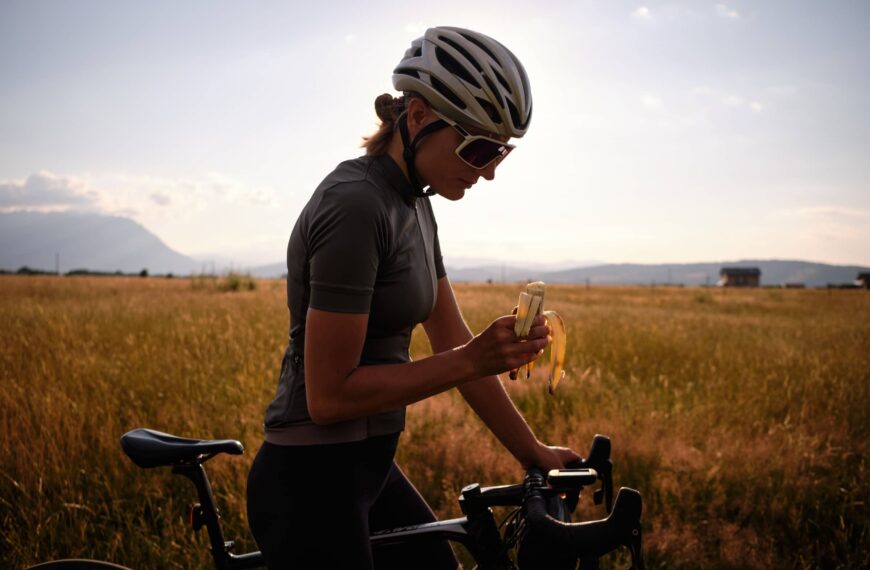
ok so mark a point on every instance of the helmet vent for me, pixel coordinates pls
(461, 50)
(446, 92)
(418, 52)
(494, 91)
(490, 110)
(503, 82)
(478, 43)
(450, 64)
(515, 116)
(406, 71)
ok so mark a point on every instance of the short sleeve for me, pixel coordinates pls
(346, 237)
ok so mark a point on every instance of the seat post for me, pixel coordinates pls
(219, 548)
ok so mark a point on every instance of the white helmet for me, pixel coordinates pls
(470, 78)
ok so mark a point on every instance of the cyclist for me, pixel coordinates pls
(364, 268)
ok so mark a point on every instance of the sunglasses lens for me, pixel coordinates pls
(480, 152)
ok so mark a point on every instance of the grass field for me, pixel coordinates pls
(741, 416)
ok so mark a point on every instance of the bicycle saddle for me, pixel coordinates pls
(150, 448)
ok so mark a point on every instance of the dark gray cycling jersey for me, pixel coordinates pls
(363, 244)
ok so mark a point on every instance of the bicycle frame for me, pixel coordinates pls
(477, 530)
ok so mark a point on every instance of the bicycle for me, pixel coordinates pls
(538, 526)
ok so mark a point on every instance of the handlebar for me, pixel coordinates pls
(558, 492)
(586, 539)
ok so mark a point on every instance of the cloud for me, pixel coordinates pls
(45, 191)
(131, 195)
(728, 99)
(724, 11)
(161, 198)
(232, 191)
(642, 13)
(651, 102)
(740, 102)
(832, 213)
(350, 38)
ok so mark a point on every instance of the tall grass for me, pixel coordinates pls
(740, 415)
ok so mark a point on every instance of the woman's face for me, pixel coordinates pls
(439, 167)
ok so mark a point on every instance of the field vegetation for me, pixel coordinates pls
(741, 416)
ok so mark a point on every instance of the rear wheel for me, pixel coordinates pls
(77, 564)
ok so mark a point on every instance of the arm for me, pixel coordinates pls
(345, 236)
(338, 388)
(447, 329)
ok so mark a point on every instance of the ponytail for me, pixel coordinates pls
(388, 109)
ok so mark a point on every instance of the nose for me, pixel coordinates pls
(489, 171)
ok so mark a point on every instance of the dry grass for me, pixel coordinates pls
(740, 415)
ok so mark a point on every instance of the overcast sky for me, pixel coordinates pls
(662, 132)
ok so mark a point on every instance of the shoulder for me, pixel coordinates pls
(352, 185)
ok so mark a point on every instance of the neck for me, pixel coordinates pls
(395, 150)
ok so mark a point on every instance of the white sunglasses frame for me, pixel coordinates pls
(468, 138)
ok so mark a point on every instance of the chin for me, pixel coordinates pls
(452, 194)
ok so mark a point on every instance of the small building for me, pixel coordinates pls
(863, 280)
(740, 277)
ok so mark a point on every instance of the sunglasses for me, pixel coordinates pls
(477, 151)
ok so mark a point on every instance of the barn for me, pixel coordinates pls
(740, 277)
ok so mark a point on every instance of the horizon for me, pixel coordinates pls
(218, 265)
(669, 131)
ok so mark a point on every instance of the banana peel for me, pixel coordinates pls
(530, 305)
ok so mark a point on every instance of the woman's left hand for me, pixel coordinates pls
(551, 457)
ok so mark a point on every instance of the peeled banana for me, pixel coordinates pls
(530, 305)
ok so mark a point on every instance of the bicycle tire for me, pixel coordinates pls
(77, 564)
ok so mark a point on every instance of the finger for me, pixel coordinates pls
(506, 321)
(533, 346)
(539, 332)
(514, 312)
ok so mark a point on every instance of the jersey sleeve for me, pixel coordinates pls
(346, 238)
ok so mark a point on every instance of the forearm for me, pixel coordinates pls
(489, 400)
(372, 389)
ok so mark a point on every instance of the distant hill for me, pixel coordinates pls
(270, 270)
(85, 241)
(459, 269)
(773, 272)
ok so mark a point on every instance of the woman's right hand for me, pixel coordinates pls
(498, 349)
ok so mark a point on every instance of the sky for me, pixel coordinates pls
(663, 132)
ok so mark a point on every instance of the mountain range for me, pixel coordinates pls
(773, 272)
(79, 240)
(84, 240)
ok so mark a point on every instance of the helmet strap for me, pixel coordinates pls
(409, 151)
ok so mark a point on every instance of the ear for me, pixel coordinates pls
(419, 115)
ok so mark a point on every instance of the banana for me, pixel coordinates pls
(530, 305)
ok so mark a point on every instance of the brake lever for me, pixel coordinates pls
(599, 459)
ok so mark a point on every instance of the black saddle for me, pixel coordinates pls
(149, 448)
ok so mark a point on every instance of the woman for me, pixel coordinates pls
(364, 268)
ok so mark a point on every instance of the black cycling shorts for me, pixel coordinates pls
(314, 506)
